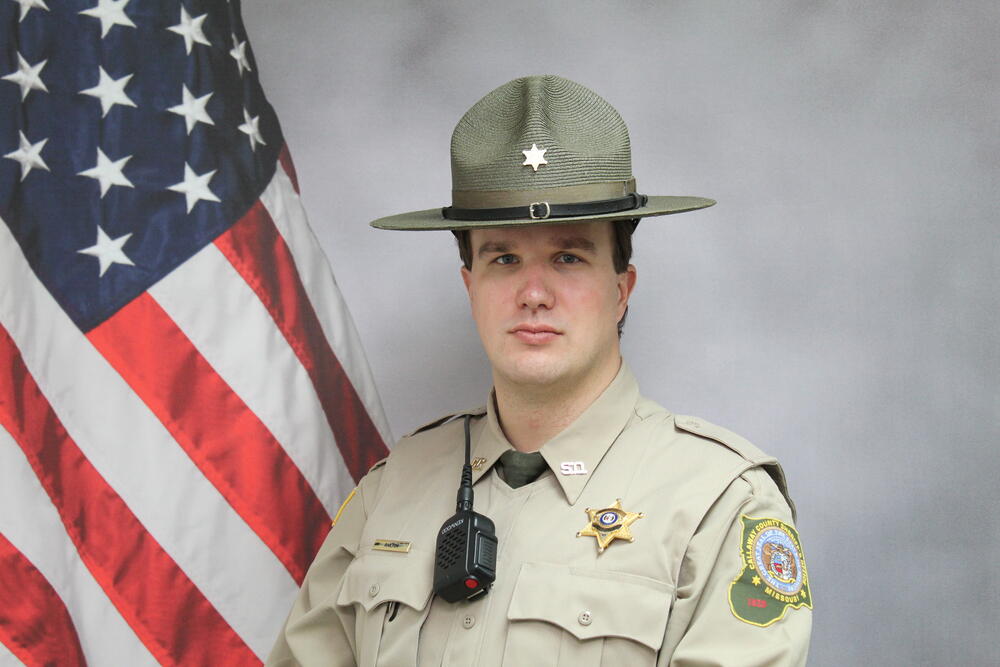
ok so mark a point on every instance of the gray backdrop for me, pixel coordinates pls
(839, 307)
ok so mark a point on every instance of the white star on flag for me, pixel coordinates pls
(28, 5)
(251, 129)
(195, 187)
(28, 77)
(29, 155)
(108, 173)
(190, 29)
(110, 13)
(110, 91)
(534, 157)
(192, 108)
(239, 54)
(108, 251)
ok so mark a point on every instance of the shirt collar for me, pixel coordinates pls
(574, 454)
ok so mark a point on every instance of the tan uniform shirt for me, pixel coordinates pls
(666, 598)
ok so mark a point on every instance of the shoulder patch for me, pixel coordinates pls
(774, 577)
(441, 420)
(741, 446)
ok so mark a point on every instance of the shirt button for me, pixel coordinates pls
(585, 618)
(468, 621)
(373, 591)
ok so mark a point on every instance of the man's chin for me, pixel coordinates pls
(534, 372)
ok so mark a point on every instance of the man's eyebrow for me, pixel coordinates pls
(493, 246)
(575, 243)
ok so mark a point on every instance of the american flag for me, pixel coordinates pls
(183, 397)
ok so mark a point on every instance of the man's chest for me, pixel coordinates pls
(588, 582)
(554, 587)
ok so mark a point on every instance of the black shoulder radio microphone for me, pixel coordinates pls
(465, 563)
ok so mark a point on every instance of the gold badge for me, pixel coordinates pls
(610, 523)
(477, 463)
(392, 545)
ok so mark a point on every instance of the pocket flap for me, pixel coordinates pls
(374, 578)
(591, 603)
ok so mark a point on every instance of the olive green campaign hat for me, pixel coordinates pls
(540, 150)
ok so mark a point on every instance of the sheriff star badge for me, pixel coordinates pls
(610, 523)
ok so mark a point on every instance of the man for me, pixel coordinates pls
(626, 535)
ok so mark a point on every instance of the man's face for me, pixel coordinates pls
(547, 301)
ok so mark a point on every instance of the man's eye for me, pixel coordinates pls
(567, 258)
(505, 259)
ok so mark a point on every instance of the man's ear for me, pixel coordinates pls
(626, 283)
(467, 279)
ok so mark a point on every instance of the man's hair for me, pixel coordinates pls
(621, 250)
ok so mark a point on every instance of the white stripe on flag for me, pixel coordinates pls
(285, 207)
(136, 455)
(30, 521)
(229, 325)
(7, 659)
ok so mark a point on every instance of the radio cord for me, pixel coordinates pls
(465, 487)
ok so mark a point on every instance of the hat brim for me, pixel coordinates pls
(431, 219)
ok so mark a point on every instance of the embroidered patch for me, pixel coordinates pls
(774, 575)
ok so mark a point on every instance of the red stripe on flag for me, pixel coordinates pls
(259, 253)
(34, 622)
(230, 445)
(285, 158)
(166, 610)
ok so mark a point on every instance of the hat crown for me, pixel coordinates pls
(585, 140)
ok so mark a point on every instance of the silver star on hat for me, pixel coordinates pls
(535, 157)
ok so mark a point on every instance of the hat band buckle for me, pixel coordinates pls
(543, 210)
(531, 210)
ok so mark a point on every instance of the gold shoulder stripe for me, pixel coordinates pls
(343, 505)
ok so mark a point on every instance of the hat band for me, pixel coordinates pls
(544, 210)
(566, 194)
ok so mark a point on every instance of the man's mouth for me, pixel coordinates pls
(535, 334)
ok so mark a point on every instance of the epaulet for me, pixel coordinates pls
(441, 420)
(378, 464)
(724, 436)
(738, 444)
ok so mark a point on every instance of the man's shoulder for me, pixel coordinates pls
(444, 419)
(423, 453)
(698, 430)
(733, 442)
(697, 444)
(441, 436)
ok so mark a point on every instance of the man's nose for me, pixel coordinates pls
(535, 291)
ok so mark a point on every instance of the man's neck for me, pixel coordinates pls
(531, 416)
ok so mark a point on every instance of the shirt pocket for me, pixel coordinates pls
(388, 593)
(579, 617)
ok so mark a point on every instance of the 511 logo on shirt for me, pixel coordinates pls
(572, 468)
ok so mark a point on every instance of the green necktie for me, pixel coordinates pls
(520, 468)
